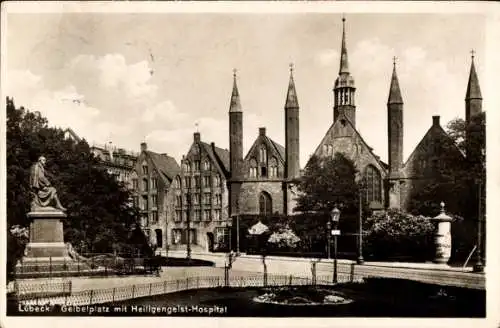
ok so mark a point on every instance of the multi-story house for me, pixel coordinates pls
(201, 198)
(152, 180)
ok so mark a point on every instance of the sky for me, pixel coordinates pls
(159, 77)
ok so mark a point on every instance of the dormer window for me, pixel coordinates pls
(253, 168)
(207, 166)
(144, 169)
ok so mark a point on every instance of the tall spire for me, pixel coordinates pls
(291, 96)
(473, 90)
(394, 91)
(344, 89)
(235, 105)
(344, 63)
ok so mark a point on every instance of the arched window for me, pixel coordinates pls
(206, 165)
(265, 203)
(273, 168)
(253, 168)
(263, 154)
(177, 182)
(145, 184)
(373, 184)
(187, 166)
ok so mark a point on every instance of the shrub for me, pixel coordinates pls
(394, 234)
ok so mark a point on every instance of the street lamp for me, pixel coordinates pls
(188, 224)
(329, 237)
(479, 266)
(335, 214)
(360, 259)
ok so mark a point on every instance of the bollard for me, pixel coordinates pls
(187, 283)
(133, 291)
(177, 282)
(150, 284)
(290, 281)
(113, 297)
(50, 266)
(91, 296)
(165, 287)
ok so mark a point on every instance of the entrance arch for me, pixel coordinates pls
(265, 203)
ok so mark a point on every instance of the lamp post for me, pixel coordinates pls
(329, 238)
(479, 267)
(360, 259)
(335, 214)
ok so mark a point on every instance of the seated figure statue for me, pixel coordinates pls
(42, 191)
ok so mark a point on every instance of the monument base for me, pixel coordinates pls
(46, 251)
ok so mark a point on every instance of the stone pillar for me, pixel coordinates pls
(442, 237)
(46, 235)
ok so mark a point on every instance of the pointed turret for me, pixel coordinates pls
(344, 89)
(344, 62)
(235, 105)
(473, 107)
(394, 91)
(395, 129)
(292, 166)
(291, 96)
(473, 89)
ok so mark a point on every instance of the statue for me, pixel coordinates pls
(43, 193)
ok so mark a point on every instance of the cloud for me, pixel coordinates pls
(165, 112)
(327, 57)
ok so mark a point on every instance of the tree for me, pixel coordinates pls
(100, 213)
(397, 234)
(326, 183)
(455, 180)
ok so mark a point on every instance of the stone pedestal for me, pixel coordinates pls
(442, 237)
(46, 234)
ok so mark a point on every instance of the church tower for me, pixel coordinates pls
(473, 103)
(395, 125)
(292, 165)
(395, 139)
(235, 148)
(344, 89)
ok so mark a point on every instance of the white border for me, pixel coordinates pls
(492, 106)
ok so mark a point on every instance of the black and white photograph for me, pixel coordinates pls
(242, 161)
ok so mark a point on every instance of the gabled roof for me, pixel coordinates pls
(370, 149)
(72, 134)
(166, 165)
(279, 148)
(434, 130)
(219, 156)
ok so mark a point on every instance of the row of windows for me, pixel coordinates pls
(207, 181)
(198, 215)
(180, 236)
(196, 199)
(187, 167)
(145, 185)
(149, 218)
(144, 203)
(254, 172)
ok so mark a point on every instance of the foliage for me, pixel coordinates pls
(326, 183)
(100, 214)
(284, 238)
(455, 180)
(398, 234)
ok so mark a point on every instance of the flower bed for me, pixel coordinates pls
(303, 295)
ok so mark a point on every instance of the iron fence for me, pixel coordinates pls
(111, 295)
(91, 265)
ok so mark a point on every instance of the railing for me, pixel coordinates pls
(111, 295)
(96, 264)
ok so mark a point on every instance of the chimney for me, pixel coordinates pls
(435, 120)
(196, 136)
(262, 131)
(212, 144)
(144, 146)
